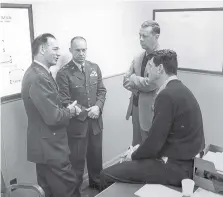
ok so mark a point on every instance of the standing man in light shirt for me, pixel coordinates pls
(47, 142)
(81, 80)
(142, 98)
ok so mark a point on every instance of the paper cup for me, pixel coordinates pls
(187, 187)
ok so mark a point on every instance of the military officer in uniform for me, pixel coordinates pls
(81, 80)
(47, 141)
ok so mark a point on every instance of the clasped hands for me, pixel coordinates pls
(127, 155)
(93, 112)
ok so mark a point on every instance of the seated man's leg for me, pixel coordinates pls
(145, 171)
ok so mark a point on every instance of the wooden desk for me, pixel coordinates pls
(124, 190)
(120, 190)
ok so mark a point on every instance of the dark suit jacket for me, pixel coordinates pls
(88, 89)
(46, 133)
(177, 128)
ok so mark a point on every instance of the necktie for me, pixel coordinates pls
(144, 62)
(83, 72)
(143, 67)
(82, 69)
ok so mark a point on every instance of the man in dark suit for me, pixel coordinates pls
(175, 137)
(81, 80)
(47, 143)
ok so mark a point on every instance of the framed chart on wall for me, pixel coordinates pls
(196, 35)
(16, 36)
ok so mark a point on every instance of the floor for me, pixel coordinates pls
(89, 192)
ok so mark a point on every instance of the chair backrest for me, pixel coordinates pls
(6, 191)
(32, 187)
(3, 187)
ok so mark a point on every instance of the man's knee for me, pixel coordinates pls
(104, 174)
(103, 180)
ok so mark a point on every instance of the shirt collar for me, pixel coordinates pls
(48, 70)
(157, 47)
(173, 77)
(79, 65)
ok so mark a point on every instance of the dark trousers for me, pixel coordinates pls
(89, 147)
(147, 171)
(57, 179)
(139, 135)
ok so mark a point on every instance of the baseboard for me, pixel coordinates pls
(105, 165)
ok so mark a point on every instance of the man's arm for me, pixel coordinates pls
(162, 122)
(126, 82)
(143, 84)
(101, 91)
(44, 97)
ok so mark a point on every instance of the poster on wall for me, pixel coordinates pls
(16, 35)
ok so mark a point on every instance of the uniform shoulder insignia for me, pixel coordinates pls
(91, 63)
(65, 66)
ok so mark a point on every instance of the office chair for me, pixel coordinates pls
(6, 191)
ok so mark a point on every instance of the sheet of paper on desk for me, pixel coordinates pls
(216, 158)
(157, 190)
(204, 193)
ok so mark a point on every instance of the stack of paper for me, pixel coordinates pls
(204, 193)
(156, 190)
(216, 158)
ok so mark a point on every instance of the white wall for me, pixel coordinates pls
(99, 23)
(136, 12)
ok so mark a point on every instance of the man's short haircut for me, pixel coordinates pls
(168, 58)
(39, 41)
(77, 38)
(150, 23)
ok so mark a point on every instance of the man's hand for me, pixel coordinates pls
(78, 110)
(74, 109)
(72, 105)
(127, 156)
(93, 112)
(126, 82)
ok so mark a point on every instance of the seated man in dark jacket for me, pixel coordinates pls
(175, 137)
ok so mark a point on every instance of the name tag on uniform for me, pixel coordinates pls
(93, 73)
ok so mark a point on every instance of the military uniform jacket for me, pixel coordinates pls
(47, 119)
(88, 89)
